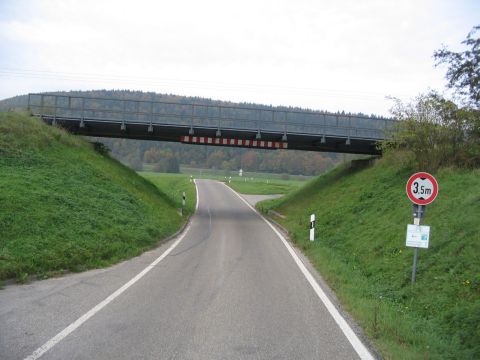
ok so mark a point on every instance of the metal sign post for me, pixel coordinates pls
(418, 212)
(422, 189)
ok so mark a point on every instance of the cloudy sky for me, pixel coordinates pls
(326, 55)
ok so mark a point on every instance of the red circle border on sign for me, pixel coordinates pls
(422, 175)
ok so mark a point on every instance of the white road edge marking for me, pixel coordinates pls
(77, 323)
(359, 347)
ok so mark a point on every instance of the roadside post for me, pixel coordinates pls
(183, 202)
(422, 189)
(312, 227)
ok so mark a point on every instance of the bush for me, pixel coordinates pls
(100, 148)
(433, 132)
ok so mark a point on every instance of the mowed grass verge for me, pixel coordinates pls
(264, 187)
(251, 183)
(360, 250)
(173, 185)
(66, 207)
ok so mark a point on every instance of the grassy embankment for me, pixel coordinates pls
(360, 250)
(66, 207)
(173, 185)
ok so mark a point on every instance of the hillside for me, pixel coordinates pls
(360, 250)
(65, 206)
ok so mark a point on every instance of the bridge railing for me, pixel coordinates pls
(169, 113)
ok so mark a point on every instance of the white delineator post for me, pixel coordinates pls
(183, 202)
(312, 227)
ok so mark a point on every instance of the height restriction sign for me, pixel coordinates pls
(422, 188)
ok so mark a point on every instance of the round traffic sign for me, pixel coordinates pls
(422, 188)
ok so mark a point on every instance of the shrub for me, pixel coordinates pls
(100, 148)
(433, 132)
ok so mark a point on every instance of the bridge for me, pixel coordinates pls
(223, 125)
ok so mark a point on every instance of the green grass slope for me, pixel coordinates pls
(64, 206)
(360, 250)
(173, 185)
(263, 187)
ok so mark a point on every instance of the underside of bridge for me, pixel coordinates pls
(200, 135)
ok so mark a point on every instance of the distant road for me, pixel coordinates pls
(230, 289)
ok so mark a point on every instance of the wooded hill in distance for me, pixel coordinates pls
(168, 157)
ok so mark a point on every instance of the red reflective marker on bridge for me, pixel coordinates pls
(233, 142)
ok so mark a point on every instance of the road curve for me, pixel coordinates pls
(228, 290)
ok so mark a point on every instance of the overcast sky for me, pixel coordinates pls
(325, 55)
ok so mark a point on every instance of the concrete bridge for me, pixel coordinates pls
(221, 125)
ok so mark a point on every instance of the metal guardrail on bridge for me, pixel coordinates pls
(192, 116)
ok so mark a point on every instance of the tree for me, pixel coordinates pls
(463, 72)
(433, 132)
(152, 155)
(250, 161)
(215, 159)
(167, 164)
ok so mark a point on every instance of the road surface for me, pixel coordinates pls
(229, 289)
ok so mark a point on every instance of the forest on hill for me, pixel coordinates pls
(20, 102)
(168, 157)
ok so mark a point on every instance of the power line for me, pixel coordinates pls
(101, 78)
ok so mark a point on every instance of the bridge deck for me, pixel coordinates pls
(172, 121)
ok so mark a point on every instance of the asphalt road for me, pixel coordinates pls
(230, 289)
